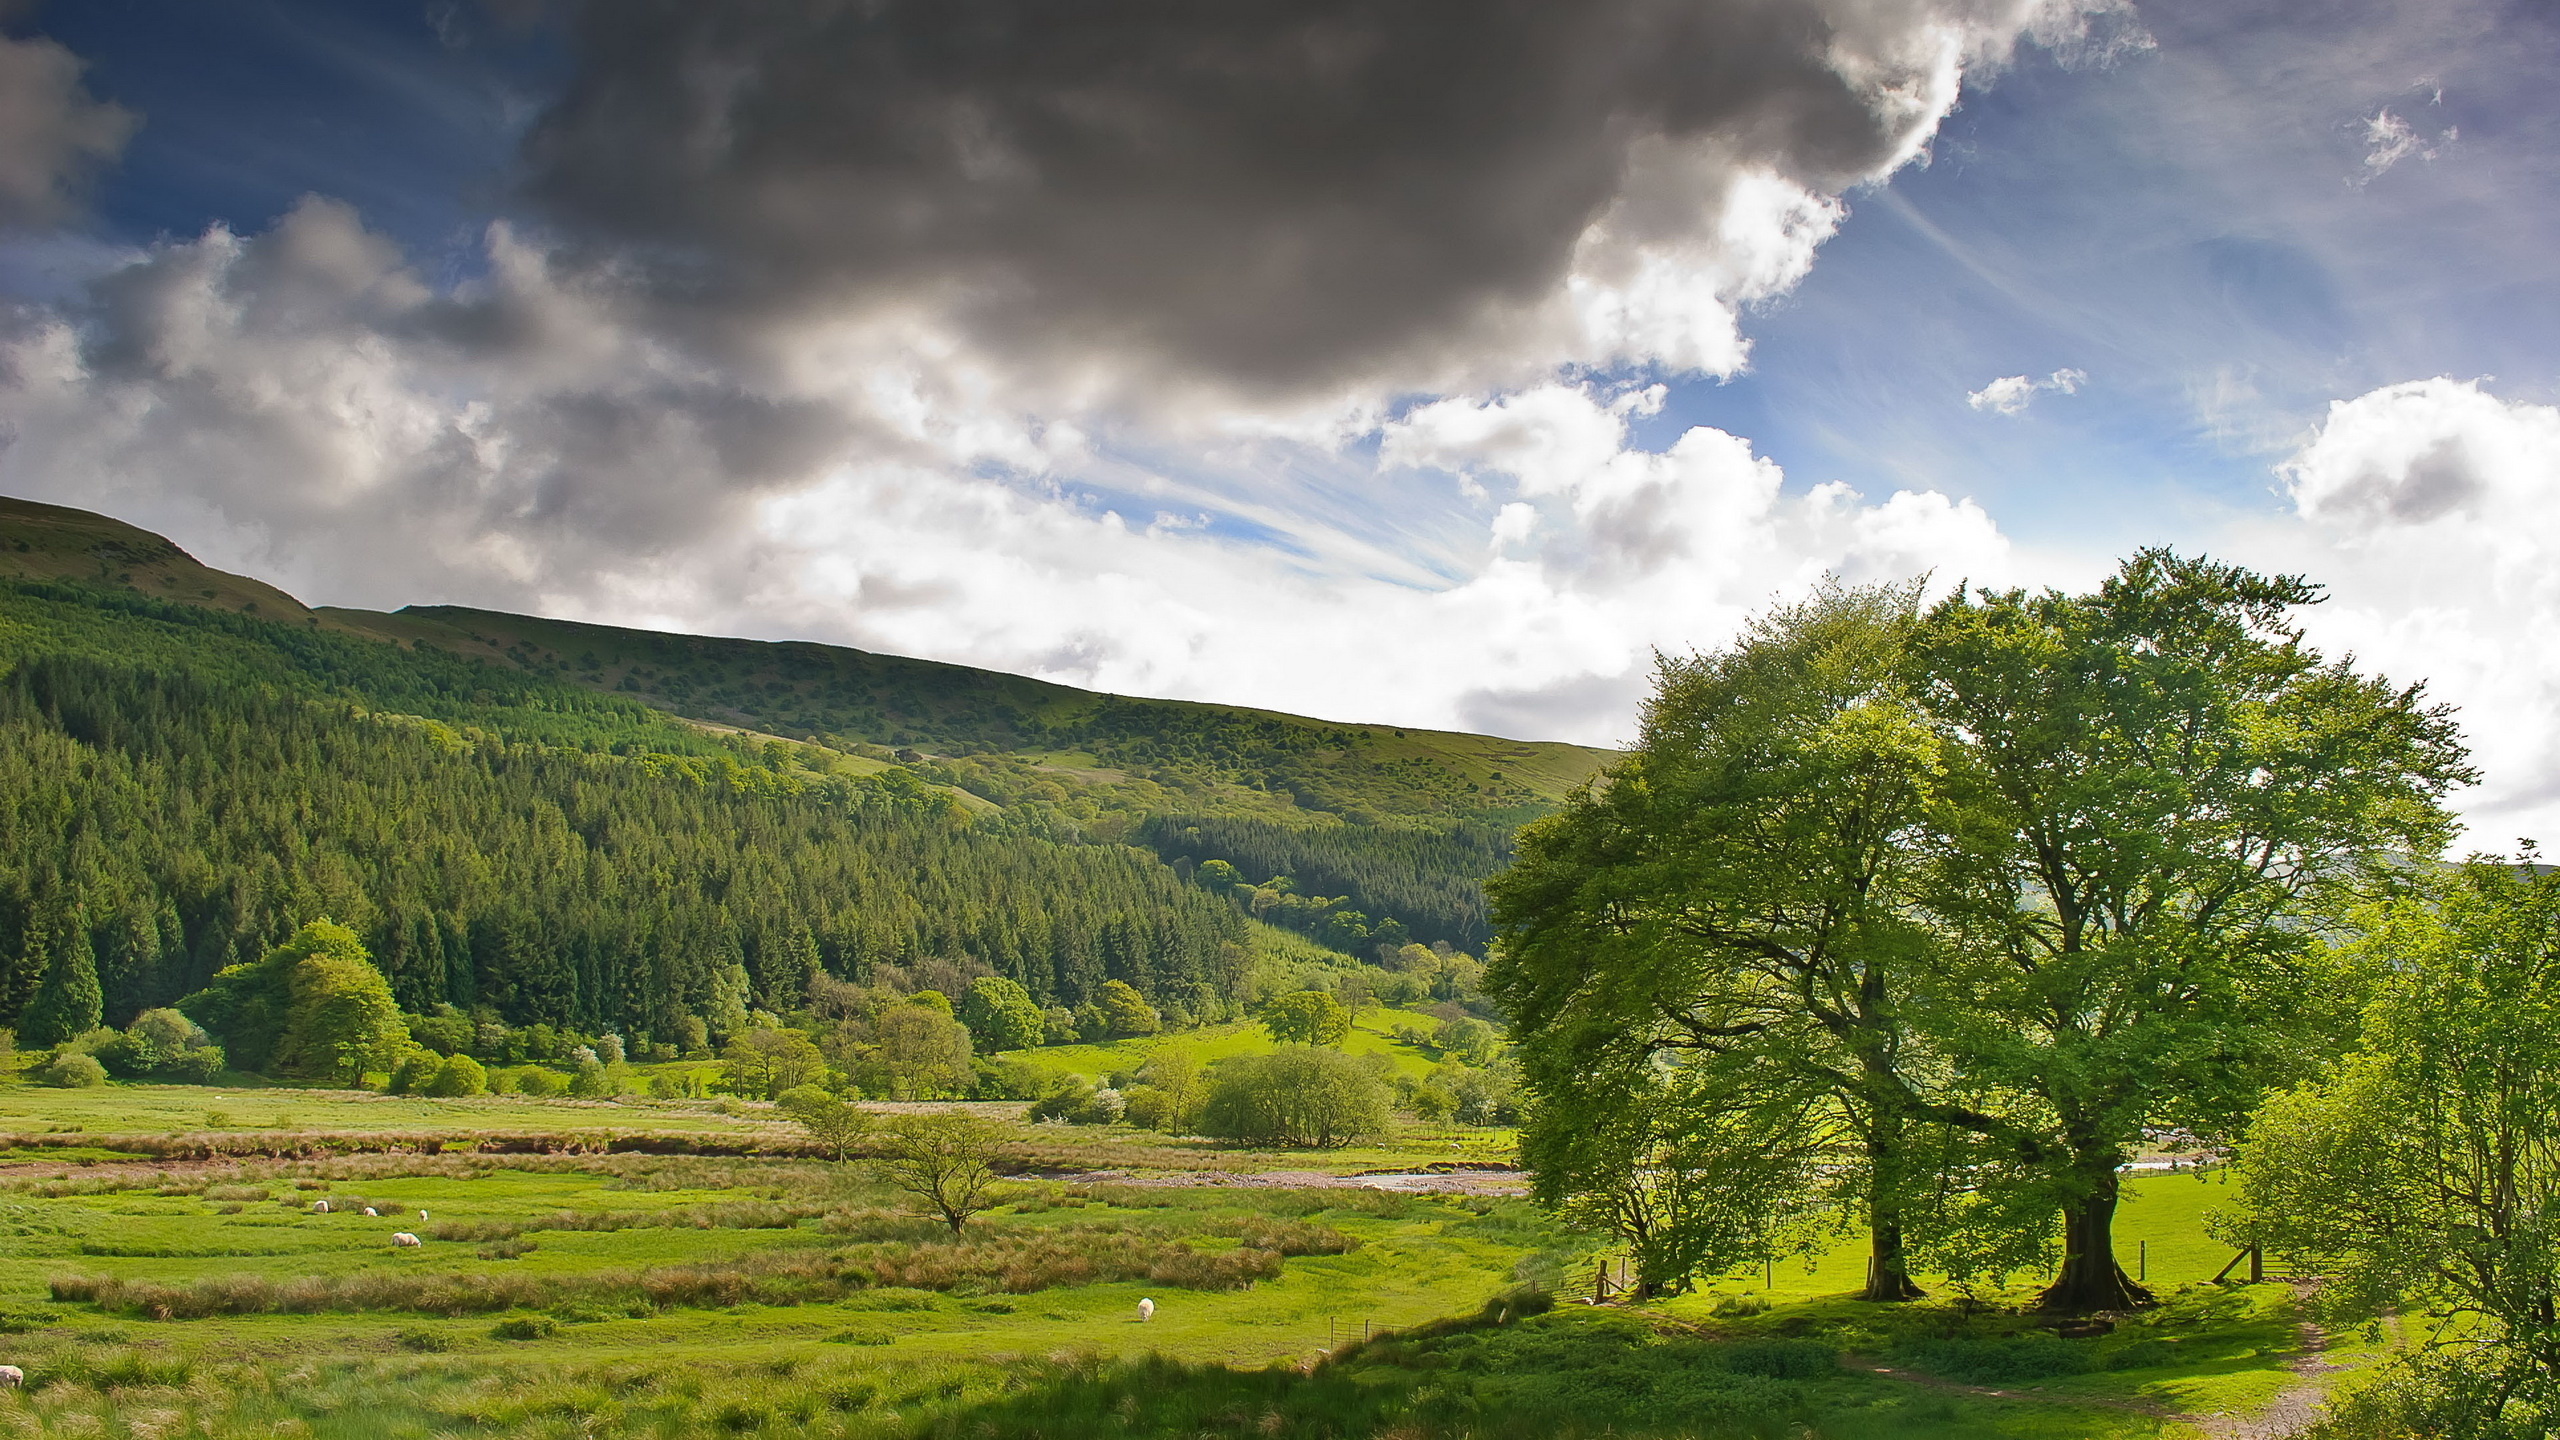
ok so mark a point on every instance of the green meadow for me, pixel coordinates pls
(684, 1294)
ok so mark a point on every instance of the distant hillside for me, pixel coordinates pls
(1383, 833)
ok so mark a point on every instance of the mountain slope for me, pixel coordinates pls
(1393, 827)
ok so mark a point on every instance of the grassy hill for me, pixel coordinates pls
(1003, 737)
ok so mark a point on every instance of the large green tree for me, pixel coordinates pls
(1000, 1014)
(2158, 793)
(1706, 960)
(314, 1005)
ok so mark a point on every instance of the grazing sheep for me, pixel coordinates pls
(422, 1215)
(319, 1207)
(371, 1214)
(11, 1377)
(1146, 1311)
(404, 1239)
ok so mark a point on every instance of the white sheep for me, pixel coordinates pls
(319, 1207)
(404, 1239)
(422, 1217)
(371, 1214)
(1146, 1311)
(11, 1377)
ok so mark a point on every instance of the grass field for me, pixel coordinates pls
(1372, 1033)
(680, 1295)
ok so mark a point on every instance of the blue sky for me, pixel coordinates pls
(1395, 372)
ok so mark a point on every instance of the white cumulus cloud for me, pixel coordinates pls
(2009, 394)
(2431, 510)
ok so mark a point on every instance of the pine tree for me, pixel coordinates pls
(66, 1003)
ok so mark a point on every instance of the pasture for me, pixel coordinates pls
(676, 1295)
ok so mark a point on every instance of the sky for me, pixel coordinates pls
(1431, 362)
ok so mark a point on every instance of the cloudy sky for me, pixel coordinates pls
(1427, 361)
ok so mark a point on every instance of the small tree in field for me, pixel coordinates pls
(945, 1163)
(1298, 1095)
(833, 1122)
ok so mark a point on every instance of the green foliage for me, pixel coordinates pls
(944, 1163)
(2425, 1170)
(1306, 1017)
(916, 1052)
(71, 1070)
(1297, 1095)
(764, 1062)
(412, 1074)
(2133, 917)
(833, 1122)
(1000, 1014)
(580, 889)
(457, 1075)
(1426, 878)
(66, 1002)
(340, 1019)
(1933, 892)
(1125, 1012)
(161, 1045)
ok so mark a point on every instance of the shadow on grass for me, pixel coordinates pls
(1496, 1376)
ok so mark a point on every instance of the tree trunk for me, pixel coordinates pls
(1888, 1266)
(2091, 1280)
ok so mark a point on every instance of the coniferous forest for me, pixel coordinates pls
(184, 784)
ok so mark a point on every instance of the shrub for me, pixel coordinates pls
(592, 1082)
(458, 1074)
(202, 1065)
(411, 1075)
(72, 1070)
(1296, 1095)
(534, 1080)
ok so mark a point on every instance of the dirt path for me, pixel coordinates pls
(2296, 1405)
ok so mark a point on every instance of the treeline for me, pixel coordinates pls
(1425, 879)
(177, 823)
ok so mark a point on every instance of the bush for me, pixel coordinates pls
(459, 1074)
(161, 1045)
(534, 1080)
(72, 1070)
(1296, 1095)
(1077, 1103)
(525, 1327)
(592, 1082)
(201, 1066)
(411, 1075)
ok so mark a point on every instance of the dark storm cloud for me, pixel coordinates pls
(1280, 191)
(54, 135)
